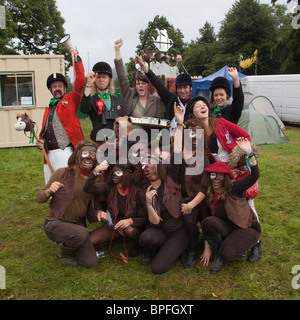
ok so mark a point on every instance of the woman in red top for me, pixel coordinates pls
(220, 134)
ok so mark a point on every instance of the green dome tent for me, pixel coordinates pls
(263, 129)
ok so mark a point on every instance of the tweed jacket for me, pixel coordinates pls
(154, 107)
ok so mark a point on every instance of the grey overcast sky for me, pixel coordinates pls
(94, 25)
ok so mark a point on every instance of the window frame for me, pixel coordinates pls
(16, 74)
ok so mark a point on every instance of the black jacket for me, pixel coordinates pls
(168, 98)
(106, 118)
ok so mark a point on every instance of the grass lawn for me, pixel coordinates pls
(34, 273)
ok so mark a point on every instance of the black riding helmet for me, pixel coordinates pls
(183, 79)
(102, 67)
(56, 77)
(221, 82)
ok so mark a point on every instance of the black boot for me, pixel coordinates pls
(146, 258)
(255, 252)
(215, 244)
(134, 252)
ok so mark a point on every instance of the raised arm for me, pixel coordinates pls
(241, 185)
(238, 96)
(163, 92)
(118, 45)
(79, 81)
(124, 82)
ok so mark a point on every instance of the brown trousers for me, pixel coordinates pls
(170, 246)
(75, 236)
(236, 240)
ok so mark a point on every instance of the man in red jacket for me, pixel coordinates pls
(61, 129)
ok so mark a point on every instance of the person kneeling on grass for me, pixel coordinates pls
(69, 206)
(161, 200)
(122, 216)
(232, 228)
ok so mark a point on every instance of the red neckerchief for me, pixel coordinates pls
(84, 172)
(154, 180)
(124, 191)
(216, 198)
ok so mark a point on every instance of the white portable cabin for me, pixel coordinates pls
(23, 89)
(282, 90)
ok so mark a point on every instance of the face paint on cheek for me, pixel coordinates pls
(87, 159)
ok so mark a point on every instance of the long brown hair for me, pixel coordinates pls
(206, 182)
(127, 176)
(213, 124)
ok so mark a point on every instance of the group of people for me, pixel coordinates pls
(158, 209)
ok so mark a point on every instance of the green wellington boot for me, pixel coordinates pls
(215, 244)
(66, 254)
(191, 260)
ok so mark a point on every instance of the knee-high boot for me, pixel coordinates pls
(215, 244)
(66, 254)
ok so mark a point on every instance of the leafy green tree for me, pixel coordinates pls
(199, 54)
(250, 25)
(288, 1)
(198, 58)
(34, 28)
(286, 50)
(8, 33)
(207, 34)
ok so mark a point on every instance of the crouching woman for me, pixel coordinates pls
(69, 206)
(232, 228)
(161, 199)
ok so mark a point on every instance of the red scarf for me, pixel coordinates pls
(216, 198)
(84, 172)
(125, 191)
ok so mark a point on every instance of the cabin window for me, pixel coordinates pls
(17, 89)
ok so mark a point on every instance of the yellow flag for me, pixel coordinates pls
(246, 63)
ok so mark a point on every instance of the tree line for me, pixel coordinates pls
(32, 27)
(247, 26)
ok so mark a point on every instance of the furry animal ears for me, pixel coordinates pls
(24, 122)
